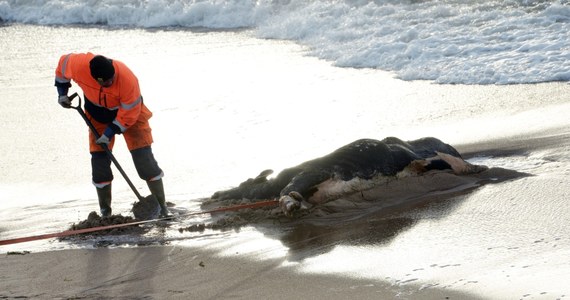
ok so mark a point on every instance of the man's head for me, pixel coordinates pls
(102, 70)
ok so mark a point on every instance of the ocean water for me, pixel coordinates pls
(451, 41)
(237, 87)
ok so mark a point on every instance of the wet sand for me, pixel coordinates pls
(182, 272)
(170, 272)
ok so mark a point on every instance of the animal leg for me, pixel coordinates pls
(290, 203)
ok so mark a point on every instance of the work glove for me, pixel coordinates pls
(106, 137)
(64, 101)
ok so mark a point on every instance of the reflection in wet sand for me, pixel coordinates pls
(307, 240)
(372, 217)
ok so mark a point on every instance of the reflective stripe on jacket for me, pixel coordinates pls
(123, 98)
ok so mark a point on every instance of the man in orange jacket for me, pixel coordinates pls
(114, 104)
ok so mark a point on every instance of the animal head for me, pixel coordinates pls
(459, 166)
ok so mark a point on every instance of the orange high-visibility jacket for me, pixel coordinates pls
(123, 97)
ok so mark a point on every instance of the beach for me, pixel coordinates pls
(231, 101)
(180, 273)
(438, 250)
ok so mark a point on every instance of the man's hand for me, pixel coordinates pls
(103, 140)
(64, 101)
(106, 137)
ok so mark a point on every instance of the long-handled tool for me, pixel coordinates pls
(146, 208)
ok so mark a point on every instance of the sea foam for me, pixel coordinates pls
(451, 41)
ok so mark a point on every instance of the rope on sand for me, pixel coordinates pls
(107, 227)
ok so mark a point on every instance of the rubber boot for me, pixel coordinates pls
(157, 189)
(104, 195)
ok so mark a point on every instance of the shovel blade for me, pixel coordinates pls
(146, 208)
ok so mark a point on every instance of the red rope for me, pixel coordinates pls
(107, 227)
(241, 206)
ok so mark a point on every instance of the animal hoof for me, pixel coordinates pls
(288, 205)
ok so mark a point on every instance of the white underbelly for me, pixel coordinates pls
(333, 189)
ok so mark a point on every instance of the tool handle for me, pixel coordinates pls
(73, 97)
(104, 146)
